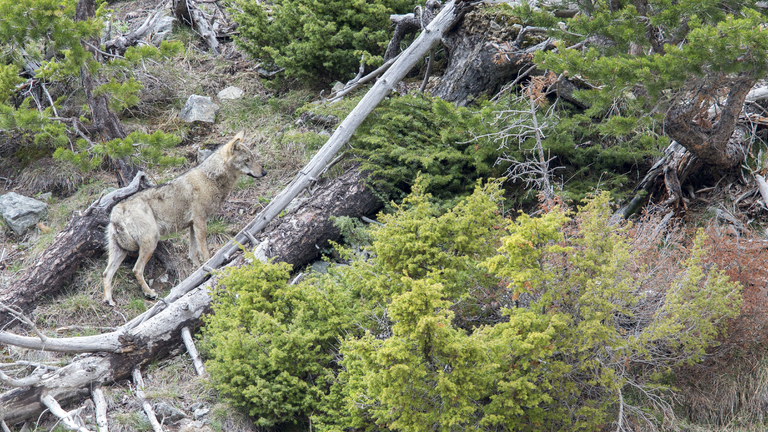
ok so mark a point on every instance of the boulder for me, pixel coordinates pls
(20, 212)
(199, 108)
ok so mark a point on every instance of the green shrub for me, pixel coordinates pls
(317, 40)
(462, 320)
(269, 344)
(418, 133)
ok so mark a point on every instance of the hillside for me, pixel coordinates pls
(613, 279)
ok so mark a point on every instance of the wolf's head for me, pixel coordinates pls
(240, 157)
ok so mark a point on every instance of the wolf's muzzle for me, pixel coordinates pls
(263, 173)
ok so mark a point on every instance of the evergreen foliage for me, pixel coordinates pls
(650, 53)
(47, 33)
(418, 133)
(317, 40)
(464, 320)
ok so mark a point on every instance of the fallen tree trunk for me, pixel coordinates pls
(82, 238)
(298, 237)
(155, 339)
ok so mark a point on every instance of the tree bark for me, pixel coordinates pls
(298, 237)
(82, 238)
(720, 144)
(483, 56)
(409, 24)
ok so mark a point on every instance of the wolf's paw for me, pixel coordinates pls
(152, 295)
(109, 301)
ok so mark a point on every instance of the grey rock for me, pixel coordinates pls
(200, 413)
(199, 108)
(163, 27)
(231, 92)
(20, 212)
(320, 267)
(197, 405)
(337, 87)
(167, 413)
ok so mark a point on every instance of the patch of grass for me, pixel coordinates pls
(133, 421)
(137, 306)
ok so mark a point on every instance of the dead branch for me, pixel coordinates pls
(139, 383)
(100, 403)
(68, 418)
(109, 342)
(186, 336)
(351, 87)
(189, 13)
(762, 186)
(118, 45)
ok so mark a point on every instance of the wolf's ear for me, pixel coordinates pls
(228, 147)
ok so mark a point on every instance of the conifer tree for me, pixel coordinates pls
(685, 65)
(48, 42)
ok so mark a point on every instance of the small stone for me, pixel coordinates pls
(200, 413)
(231, 92)
(166, 413)
(199, 108)
(320, 267)
(337, 87)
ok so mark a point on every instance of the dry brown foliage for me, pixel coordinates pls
(731, 385)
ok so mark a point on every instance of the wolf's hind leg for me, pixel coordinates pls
(198, 246)
(116, 256)
(145, 253)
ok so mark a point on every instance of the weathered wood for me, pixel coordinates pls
(82, 238)
(66, 417)
(483, 56)
(138, 381)
(100, 403)
(409, 24)
(298, 237)
(186, 336)
(120, 44)
(150, 341)
(718, 143)
(186, 11)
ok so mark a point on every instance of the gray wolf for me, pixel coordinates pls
(187, 201)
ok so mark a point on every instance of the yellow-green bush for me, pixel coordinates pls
(464, 320)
